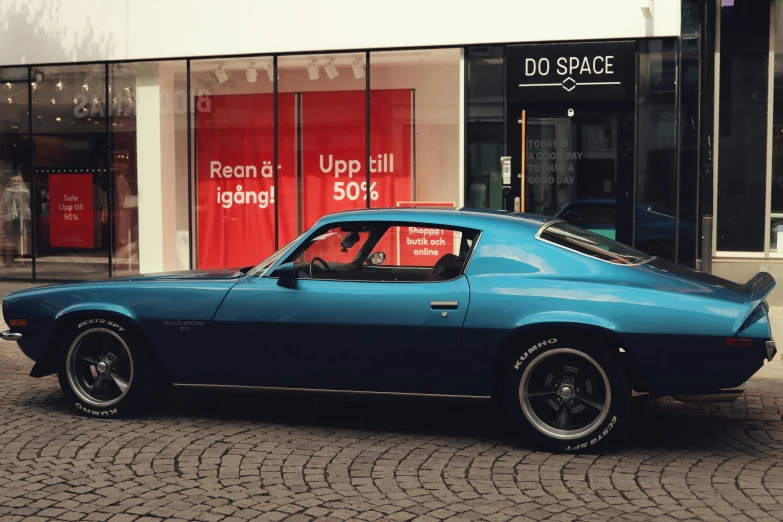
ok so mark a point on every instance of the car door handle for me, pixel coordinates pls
(444, 305)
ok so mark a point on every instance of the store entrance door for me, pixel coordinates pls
(575, 161)
(570, 119)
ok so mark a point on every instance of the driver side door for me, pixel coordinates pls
(349, 326)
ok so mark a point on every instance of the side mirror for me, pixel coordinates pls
(286, 275)
(376, 259)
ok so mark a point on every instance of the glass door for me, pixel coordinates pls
(574, 162)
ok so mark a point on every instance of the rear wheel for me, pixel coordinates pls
(105, 369)
(566, 396)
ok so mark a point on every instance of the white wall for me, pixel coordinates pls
(53, 31)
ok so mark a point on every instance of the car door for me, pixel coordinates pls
(389, 328)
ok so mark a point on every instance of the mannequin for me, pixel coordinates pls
(15, 212)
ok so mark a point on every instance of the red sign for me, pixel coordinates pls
(71, 211)
(420, 246)
(235, 151)
(334, 151)
(236, 192)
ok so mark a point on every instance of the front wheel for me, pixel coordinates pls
(566, 396)
(105, 369)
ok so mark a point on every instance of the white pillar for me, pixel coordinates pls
(155, 169)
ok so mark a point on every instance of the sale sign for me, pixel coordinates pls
(334, 151)
(324, 172)
(71, 211)
(422, 246)
(236, 192)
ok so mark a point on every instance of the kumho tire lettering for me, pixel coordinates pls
(532, 350)
(95, 413)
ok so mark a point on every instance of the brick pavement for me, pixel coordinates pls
(216, 456)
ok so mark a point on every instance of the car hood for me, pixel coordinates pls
(230, 275)
(212, 274)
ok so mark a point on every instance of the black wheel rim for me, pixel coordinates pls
(99, 367)
(565, 394)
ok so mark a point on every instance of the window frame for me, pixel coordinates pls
(300, 247)
(549, 224)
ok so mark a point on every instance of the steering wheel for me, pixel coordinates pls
(312, 264)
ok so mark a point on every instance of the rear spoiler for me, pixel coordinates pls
(757, 289)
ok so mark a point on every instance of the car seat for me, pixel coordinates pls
(448, 267)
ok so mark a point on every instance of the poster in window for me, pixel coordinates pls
(71, 211)
(236, 192)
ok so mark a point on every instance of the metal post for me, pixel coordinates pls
(706, 244)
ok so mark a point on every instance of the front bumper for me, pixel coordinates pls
(8, 335)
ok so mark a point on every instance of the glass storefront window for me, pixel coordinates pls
(321, 138)
(656, 163)
(15, 175)
(233, 155)
(71, 186)
(776, 189)
(484, 127)
(415, 131)
(148, 111)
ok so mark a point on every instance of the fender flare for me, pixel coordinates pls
(47, 363)
(529, 327)
(565, 317)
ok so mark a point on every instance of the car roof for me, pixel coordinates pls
(462, 217)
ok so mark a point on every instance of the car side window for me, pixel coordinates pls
(385, 252)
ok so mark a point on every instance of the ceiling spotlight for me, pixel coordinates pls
(358, 69)
(252, 74)
(34, 86)
(59, 85)
(331, 70)
(86, 87)
(58, 118)
(8, 86)
(312, 70)
(270, 71)
(221, 75)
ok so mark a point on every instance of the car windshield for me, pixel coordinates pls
(261, 268)
(592, 244)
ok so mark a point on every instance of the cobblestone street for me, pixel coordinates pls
(218, 456)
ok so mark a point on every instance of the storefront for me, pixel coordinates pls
(746, 200)
(216, 152)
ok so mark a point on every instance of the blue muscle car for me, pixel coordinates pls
(557, 324)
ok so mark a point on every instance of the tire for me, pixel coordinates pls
(564, 395)
(105, 369)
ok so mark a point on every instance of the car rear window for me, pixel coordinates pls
(592, 244)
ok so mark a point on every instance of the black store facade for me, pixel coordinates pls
(593, 132)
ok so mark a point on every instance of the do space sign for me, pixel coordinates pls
(569, 65)
(573, 72)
